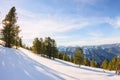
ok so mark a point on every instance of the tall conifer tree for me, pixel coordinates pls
(10, 30)
(78, 57)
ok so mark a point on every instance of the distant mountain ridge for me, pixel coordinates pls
(98, 53)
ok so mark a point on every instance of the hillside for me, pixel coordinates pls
(98, 53)
(24, 65)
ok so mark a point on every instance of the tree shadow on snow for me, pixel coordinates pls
(85, 68)
(51, 71)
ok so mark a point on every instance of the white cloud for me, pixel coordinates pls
(91, 42)
(115, 22)
(46, 25)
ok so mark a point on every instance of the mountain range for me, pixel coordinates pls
(98, 53)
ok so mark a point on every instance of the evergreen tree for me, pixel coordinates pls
(41, 47)
(50, 47)
(118, 66)
(60, 55)
(109, 66)
(97, 64)
(20, 42)
(78, 57)
(104, 64)
(16, 36)
(86, 62)
(10, 30)
(36, 46)
(112, 64)
(65, 57)
(54, 48)
(92, 63)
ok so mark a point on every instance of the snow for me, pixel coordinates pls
(24, 65)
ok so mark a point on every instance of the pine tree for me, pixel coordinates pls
(112, 64)
(86, 62)
(92, 63)
(20, 42)
(54, 48)
(78, 57)
(16, 36)
(118, 66)
(50, 47)
(41, 47)
(10, 30)
(97, 65)
(105, 64)
(60, 55)
(36, 46)
(65, 57)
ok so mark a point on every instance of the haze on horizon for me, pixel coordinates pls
(69, 22)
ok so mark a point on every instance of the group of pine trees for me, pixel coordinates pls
(81, 60)
(111, 65)
(78, 58)
(10, 31)
(45, 47)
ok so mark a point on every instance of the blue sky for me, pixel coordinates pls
(69, 22)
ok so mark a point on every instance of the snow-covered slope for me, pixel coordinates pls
(24, 65)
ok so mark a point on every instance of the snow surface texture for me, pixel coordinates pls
(24, 65)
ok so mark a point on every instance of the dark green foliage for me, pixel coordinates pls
(47, 47)
(92, 63)
(42, 46)
(50, 47)
(97, 65)
(20, 42)
(36, 46)
(78, 57)
(54, 49)
(16, 36)
(112, 64)
(105, 64)
(86, 62)
(65, 56)
(10, 30)
(60, 55)
(118, 66)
